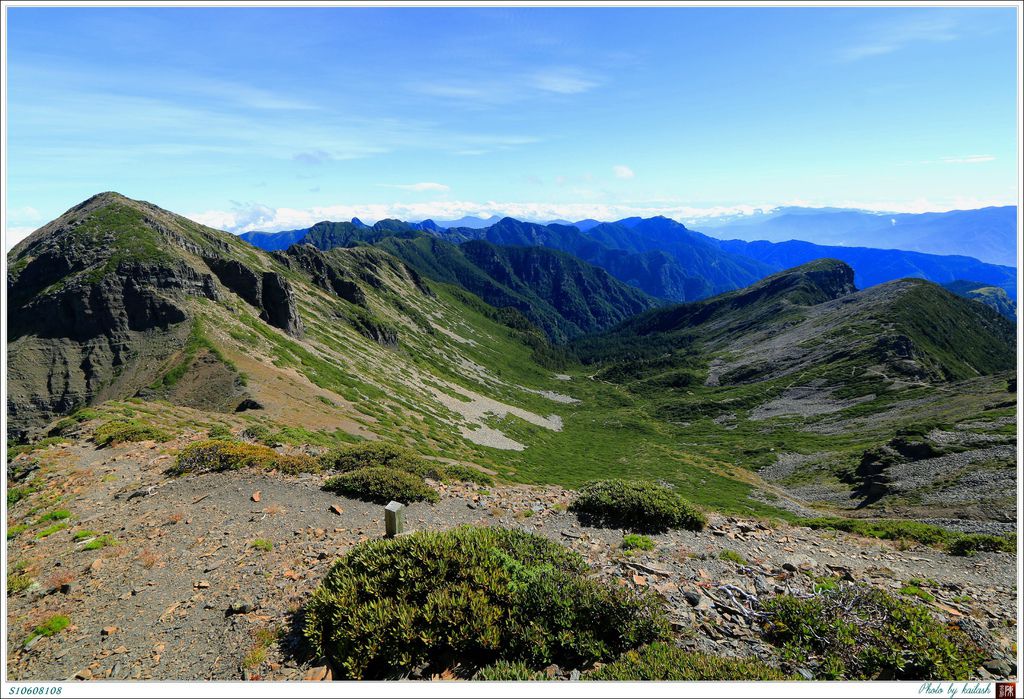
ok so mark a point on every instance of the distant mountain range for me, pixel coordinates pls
(875, 266)
(668, 261)
(988, 234)
(470, 222)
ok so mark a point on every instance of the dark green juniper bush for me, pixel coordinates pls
(637, 505)
(661, 662)
(862, 633)
(381, 485)
(476, 596)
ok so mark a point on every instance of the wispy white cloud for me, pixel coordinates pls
(623, 172)
(314, 157)
(887, 38)
(489, 90)
(14, 234)
(420, 187)
(564, 81)
(968, 159)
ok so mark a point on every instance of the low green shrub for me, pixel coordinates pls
(214, 455)
(928, 534)
(505, 671)
(119, 431)
(52, 529)
(264, 545)
(637, 542)
(382, 485)
(379, 454)
(824, 583)
(54, 516)
(256, 433)
(15, 530)
(457, 472)
(19, 493)
(33, 446)
(375, 454)
(219, 431)
(100, 542)
(660, 662)
(731, 556)
(890, 529)
(481, 595)
(67, 424)
(55, 624)
(970, 544)
(639, 505)
(17, 582)
(861, 633)
(912, 590)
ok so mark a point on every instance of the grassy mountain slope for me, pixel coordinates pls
(692, 251)
(805, 379)
(659, 256)
(562, 295)
(991, 296)
(777, 326)
(352, 343)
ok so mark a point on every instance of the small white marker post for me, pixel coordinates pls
(394, 519)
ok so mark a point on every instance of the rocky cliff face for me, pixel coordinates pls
(268, 292)
(325, 275)
(100, 300)
(84, 341)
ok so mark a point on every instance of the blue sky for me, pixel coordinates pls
(276, 118)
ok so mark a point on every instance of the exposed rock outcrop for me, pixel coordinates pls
(268, 292)
(85, 340)
(327, 276)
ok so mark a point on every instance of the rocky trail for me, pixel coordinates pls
(207, 576)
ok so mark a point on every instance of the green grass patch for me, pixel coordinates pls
(54, 516)
(100, 542)
(732, 557)
(52, 529)
(264, 545)
(14, 531)
(637, 542)
(54, 625)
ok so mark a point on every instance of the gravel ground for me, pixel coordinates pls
(184, 593)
